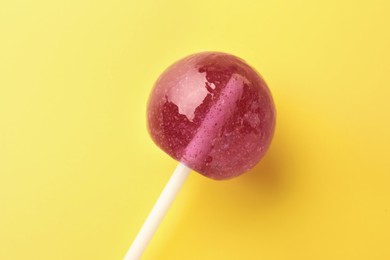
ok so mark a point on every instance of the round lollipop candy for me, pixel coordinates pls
(214, 114)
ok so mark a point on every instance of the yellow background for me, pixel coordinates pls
(79, 173)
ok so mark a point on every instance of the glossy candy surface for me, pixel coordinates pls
(212, 112)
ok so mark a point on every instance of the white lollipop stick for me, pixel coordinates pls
(158, 212)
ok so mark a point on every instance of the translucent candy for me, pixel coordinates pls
(212, 112)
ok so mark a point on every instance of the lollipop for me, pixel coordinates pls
(214, 114)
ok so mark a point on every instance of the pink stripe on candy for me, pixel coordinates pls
(201, 144)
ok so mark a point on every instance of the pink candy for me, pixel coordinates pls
(212, 112)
